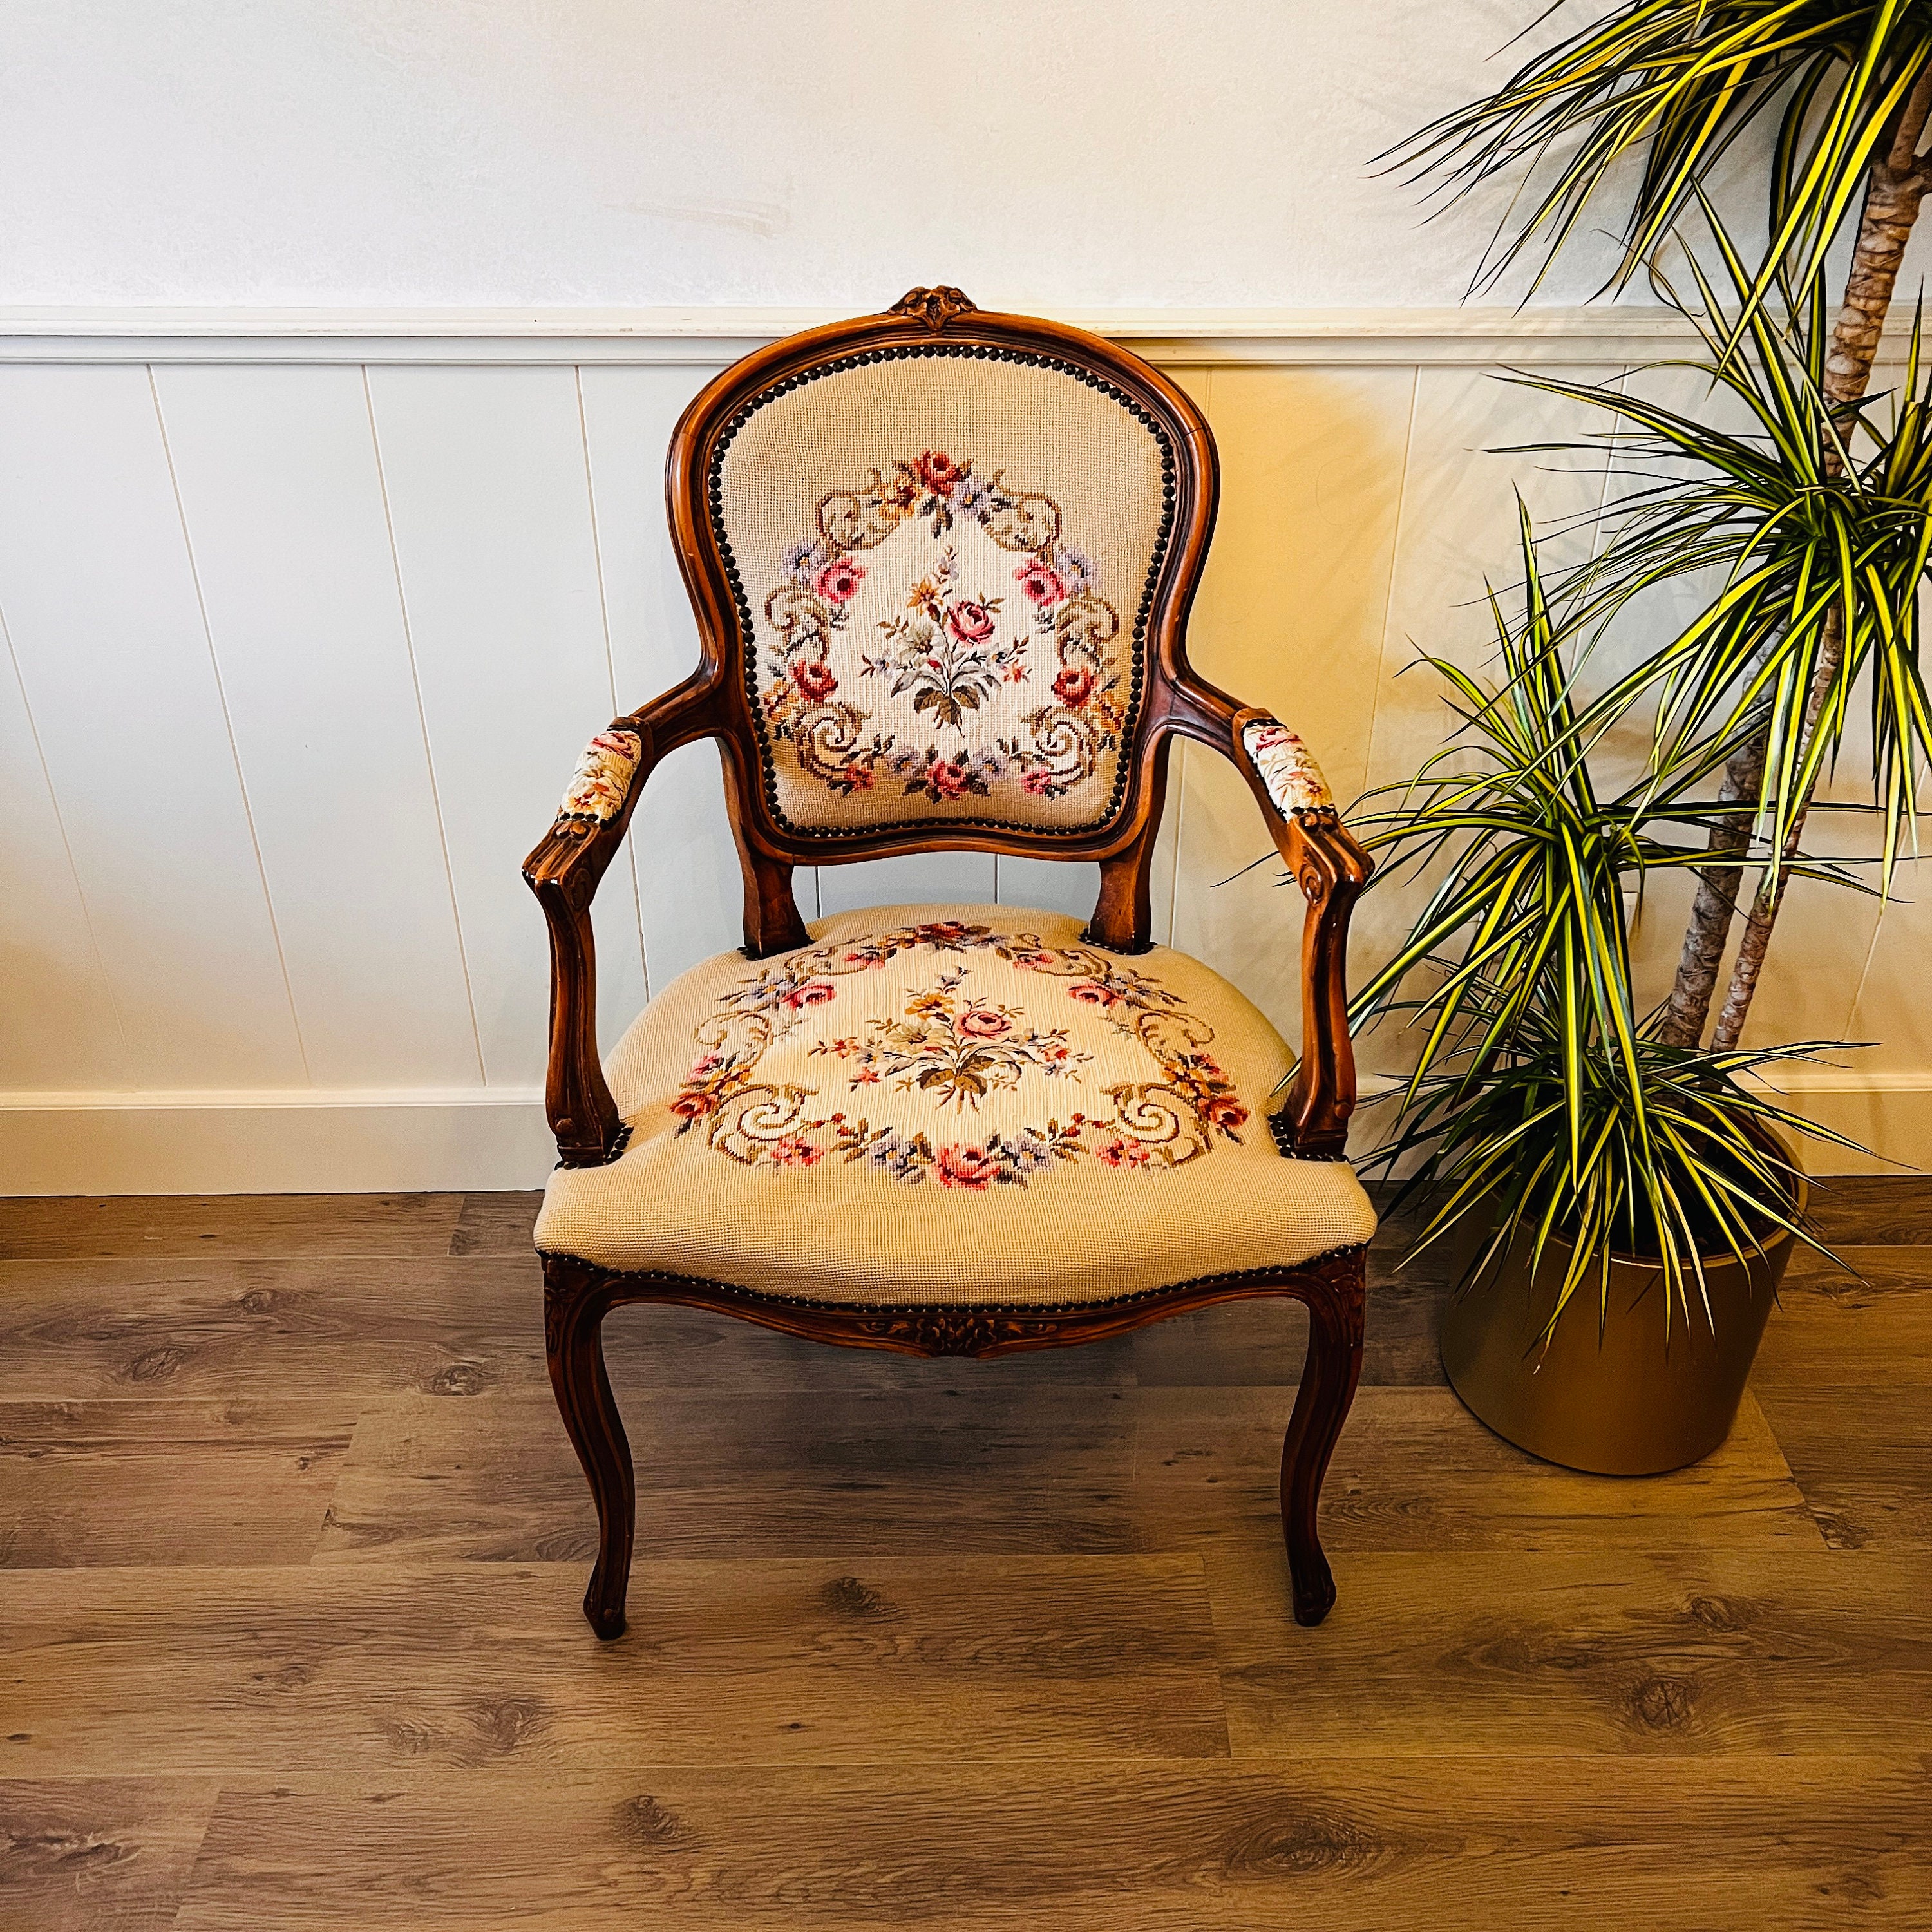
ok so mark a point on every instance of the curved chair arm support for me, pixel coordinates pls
(1331, 869)
(564, 871)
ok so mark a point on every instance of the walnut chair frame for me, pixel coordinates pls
(565, 869)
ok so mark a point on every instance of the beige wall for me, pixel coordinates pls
(308, 619)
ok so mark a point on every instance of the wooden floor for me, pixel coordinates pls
(292, 1544)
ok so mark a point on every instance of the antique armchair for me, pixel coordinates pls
(941, 562)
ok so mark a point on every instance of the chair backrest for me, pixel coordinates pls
(941, 562)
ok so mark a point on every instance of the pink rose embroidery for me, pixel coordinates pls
(813, 993)
(1044, 585)
(1089, 993)
(793, 1152)
(978, 1024)
(971, 623)
(947, 777)
(1123, 1153)
(839, 581)
(1038, 783)
(692, 1106)
(970, 1167)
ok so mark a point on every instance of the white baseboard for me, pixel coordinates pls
(327, 1142)
(388, 1141)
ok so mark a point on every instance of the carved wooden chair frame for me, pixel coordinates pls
(713, 702)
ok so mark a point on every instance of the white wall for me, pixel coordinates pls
(307, 608)
(1083, 153)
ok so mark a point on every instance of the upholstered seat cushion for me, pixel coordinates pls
(951, 1105)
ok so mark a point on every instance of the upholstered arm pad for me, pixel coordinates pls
(602, 779)
(1285, 766)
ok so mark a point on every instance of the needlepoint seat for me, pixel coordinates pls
(942, 1104)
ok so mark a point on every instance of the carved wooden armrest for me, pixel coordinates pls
(564, 872)
(1331, 870)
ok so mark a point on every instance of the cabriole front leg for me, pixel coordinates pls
(1321, 1404)
(576, 1299)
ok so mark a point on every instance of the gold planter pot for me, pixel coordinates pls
(1627, 1401)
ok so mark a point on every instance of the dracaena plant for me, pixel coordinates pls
(1541, 1094)
(1544, 1092)
(1645, 101)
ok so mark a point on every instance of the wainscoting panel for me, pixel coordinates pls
(1290, 615)
(489, 494)
(309, 617)
(105, 617)
(57, 1025)
(283, 506)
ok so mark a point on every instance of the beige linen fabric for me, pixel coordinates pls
(943, 560)
(950, 1105)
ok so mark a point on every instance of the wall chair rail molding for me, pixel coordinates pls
(1335, 336)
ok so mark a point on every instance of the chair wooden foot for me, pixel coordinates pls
(574, 1305)
(1328, 1379)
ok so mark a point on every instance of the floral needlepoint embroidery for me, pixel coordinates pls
(1287, 766)
(955, 1047)
(900, 1091)
(903, 693)
(602, 779)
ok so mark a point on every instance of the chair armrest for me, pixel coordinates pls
(1331, 869)
(564, 871)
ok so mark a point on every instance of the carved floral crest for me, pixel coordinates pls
(935, 307)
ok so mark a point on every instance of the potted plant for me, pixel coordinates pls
(1576, 1138)
(1578, 1160)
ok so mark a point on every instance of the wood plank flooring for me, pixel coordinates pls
(291, 1546)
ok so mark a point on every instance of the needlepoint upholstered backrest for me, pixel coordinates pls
(944, 564)
(945, 558)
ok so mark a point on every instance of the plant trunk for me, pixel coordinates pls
(1893, 191)
(1764, 909)
(1717, 888)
